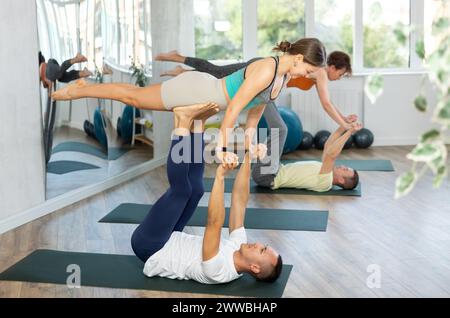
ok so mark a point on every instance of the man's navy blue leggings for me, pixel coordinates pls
(174, 209)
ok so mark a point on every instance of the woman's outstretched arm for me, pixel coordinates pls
(330, 109)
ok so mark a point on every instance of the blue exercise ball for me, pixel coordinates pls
(99, 128)
(294, 126)
(125, 130)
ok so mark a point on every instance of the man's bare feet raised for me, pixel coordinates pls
(175, 72)
(69, 91)
(185, 115)
(199, 121)
(193, 111)
(172, 56)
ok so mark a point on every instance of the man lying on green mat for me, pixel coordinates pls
(310, 175)
(167, 251)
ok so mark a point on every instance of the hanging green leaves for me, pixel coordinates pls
(421, 103)
(374, 87)
(420, 49)
(405, 183)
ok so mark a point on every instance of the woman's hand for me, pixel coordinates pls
(258, 151)
(351, 118)
(356, 127)
(227, 159)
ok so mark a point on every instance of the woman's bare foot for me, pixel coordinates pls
(79, 59)
(172, 56)
(69, 91)
(106, 70)
(175, 72)
(85, 73)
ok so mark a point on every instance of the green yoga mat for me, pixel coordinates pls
(67, 166)
(360, 165)
(112, 154)
(254, 188)
(273, 219)
(125, 272)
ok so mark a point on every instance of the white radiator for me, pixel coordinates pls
(312, 115)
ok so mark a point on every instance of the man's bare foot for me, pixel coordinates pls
(192, 111)
(79, 59)
(85, 73)
(174, 72)
(68, 92)
(211, 111)
(172, 56)
(200, 120)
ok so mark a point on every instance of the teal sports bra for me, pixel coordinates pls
(234, 81)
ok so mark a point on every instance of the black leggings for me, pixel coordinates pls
(55, 72)
(204, 66)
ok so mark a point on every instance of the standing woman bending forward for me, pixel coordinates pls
(250, 88)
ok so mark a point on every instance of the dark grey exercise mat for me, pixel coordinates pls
(112, 154)
(116, 153)
(254, 188)
(125, 272)
(67, 166)
(360, 165)
(271, 219)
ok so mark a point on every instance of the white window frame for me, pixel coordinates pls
(250, 25)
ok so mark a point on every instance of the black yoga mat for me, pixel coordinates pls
(67, 166)
(360, 165)
(255, 218)
(125, 272)
(254, 188)
(112, 154)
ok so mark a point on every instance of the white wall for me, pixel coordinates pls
(393, 118)
(22, 177)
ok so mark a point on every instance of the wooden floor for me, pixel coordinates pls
(409, 239)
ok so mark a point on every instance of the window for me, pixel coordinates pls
(86, 35)
(90, 32)
(279, 20)
(382, 48)
(126, 27)
(53, 31)
(141, 25)
(148, 32)
(111, 31)
(98, 38)
(334, 24)
(431, 11)
(44, 37)
(218, 29)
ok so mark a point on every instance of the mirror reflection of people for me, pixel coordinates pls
(51, 71)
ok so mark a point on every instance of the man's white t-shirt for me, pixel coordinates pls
(181, 258)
